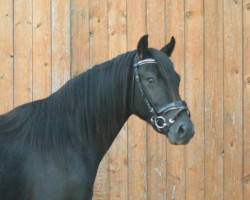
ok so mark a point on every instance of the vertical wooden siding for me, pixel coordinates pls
(176, 154)
(42, 45)
(214, 153)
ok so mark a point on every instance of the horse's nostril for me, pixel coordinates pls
(181, 131)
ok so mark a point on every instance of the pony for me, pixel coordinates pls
(50, 149)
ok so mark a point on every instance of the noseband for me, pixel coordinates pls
(157, 120)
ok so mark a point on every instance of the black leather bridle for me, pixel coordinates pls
(157, 120)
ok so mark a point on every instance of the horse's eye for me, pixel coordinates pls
(150, 80)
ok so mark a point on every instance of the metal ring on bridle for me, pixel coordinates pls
(160, 122)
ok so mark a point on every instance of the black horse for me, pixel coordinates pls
(50, 149)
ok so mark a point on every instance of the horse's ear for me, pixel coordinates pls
(142, 47)
(168, 49)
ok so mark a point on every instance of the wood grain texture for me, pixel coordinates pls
(45, 43)
(118, 171)
(22, 51)
(80, 36)
(233, 99)
(156, 143)
(41, 49)
(98, 32)
(6, 56)
(137, 150)
(176, 154)
(98, 21)
(214, 153)
(117, 27)
(246, 106)
(194, 95)
(117, 161)
(60, 43)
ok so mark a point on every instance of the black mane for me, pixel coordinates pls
(85, 105)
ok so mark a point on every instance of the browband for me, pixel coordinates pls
(145, 61)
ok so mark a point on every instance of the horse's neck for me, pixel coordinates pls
(109, 115)
(102, 145)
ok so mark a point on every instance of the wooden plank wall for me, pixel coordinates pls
(45, 43)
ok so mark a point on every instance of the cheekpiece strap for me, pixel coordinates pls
(137, 78)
